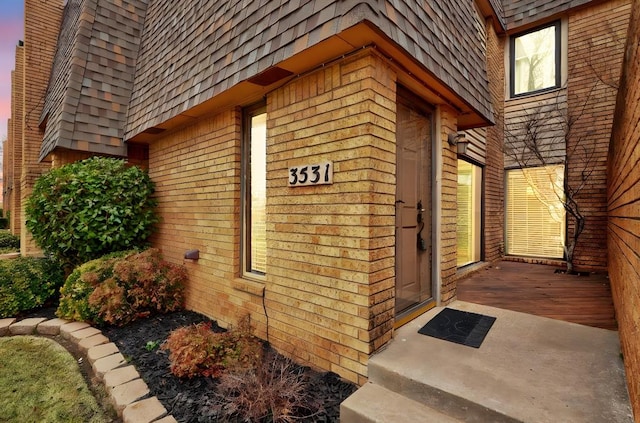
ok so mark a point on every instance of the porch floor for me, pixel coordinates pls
(528, 369)
(535, 365)
(536, 289)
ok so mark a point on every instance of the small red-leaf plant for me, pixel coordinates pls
(198, 351)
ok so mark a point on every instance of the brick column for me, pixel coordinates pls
(14, 165)
(41, 27)
(449, 203)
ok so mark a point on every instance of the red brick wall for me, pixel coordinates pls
(41, 28)
(596, 44)
(494, 169)
(13, 166)
(623, 199)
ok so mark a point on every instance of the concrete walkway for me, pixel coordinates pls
(528, 369)
(128, 393)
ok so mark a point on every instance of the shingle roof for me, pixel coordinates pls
(522, 12)
(193, 50)
(92, 76)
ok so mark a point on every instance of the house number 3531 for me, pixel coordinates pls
(312, 174)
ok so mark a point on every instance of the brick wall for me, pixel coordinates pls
(14, 165)
(623, 199)
(42, 25)
(6, 158)
(449, 206)
(329, 287)
(596, 40)
(197, 175)
(494, 173)
(330, 283)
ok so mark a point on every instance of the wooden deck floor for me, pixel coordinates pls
(536, 289)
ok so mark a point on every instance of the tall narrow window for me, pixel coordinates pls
(535, 218)
(469, 221)
(535, 60)
(255, 191)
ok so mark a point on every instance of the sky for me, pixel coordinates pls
(11, 31)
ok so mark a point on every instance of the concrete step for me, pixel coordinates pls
(374, 404)
(418, 390)
(528, 369)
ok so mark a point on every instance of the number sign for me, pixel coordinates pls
(313, 174)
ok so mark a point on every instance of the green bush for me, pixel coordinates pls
(26, 283)
(9, 241)
(74, 294)
(86, 209)
(122, 287)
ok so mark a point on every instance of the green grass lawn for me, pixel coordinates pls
(41, 382)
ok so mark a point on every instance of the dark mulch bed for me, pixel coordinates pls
(192, 400)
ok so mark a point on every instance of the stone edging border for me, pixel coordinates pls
(128, 393)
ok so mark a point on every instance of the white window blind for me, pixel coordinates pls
(535, 219)
(469, 213)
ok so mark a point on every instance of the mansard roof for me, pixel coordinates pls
(193, 51)
(124, 66)
(519, 13)
(92, 76)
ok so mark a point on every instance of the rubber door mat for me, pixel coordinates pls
(461, 327)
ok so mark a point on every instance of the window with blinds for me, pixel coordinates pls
(255, 192)
(535, 217)
(469, 221)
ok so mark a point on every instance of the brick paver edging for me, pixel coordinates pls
(128, 393)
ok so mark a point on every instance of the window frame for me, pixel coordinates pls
(480, 225)
(557, 58)
(246, 267)
(509, 211)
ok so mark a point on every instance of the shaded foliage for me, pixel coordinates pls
(27, 283)
(9, 241)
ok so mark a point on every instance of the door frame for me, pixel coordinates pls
(413, 101)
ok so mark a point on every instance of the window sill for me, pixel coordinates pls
(526, 97)
(251, 287)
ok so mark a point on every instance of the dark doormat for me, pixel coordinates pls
(461, 327)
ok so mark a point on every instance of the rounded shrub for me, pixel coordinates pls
(83, 210)
(122, 287)
(27, 283)
(74, 294)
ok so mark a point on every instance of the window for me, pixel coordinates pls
(535, 220)
(469, 213)
(254, 189)
(535, 60)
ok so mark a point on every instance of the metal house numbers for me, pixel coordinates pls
(311, 174)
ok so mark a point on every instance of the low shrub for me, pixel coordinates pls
(27, 283)
(276, 391)
(122, 287)
(9, 241)
(198, 351)
(80, 284)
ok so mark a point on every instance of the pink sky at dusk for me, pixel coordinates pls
(11, 31)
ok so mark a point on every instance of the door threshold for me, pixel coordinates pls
(408, 315)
